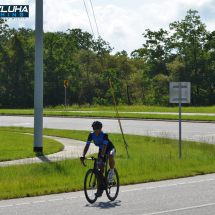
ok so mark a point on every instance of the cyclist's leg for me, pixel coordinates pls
(101, 167)
(111, 158)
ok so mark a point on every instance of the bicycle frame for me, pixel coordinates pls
(96, 171)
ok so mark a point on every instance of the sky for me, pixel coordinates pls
(120, 22)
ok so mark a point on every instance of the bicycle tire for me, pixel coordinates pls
(90, 186)
(112, 188)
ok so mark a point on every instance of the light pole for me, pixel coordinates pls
(38, 78)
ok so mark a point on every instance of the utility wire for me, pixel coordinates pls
(89, 19)
(94, 18)
(99, 40)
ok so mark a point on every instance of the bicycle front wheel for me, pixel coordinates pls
(112, 189)
(90, 186)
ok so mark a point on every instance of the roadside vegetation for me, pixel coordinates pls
(183, 53)
(151, 159)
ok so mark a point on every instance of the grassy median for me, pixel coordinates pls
(151, 159)
(110, 112)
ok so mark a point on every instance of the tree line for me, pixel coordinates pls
(185, 53)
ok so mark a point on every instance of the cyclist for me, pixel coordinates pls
(106, 147)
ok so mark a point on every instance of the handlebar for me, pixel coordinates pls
(92, 158)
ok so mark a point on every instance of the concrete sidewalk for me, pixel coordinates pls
(72, 149)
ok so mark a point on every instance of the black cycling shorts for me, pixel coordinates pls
(106, 153)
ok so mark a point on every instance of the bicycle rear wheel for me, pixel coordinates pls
(90, 186)
(112, 189)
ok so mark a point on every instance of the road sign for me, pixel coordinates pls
(179, 92)
(174, 92)
(66, 83)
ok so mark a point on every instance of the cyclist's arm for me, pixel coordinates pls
(104, 149)
(105, 142)
(103, 152)
(86, 146)
(85, 150)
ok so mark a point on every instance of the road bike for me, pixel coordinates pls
(95, 182)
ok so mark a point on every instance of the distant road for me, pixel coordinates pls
(190, 131)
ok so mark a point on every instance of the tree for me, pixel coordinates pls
(4, 28)
(84, 40)
(156, 52)
(58, 65)
(177, 70)
(113, 75)
(188, 41)
(126, 69)
(17, 73)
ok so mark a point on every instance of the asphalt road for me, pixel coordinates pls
(193, 195)
(190, 130)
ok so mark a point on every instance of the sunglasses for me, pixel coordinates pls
(96, 128)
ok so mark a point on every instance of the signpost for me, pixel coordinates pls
(180, 92)
(66, 84)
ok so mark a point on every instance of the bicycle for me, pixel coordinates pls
(95, 182)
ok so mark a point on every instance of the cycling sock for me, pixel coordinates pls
(111, 170)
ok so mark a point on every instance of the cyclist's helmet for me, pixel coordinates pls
(97, 124)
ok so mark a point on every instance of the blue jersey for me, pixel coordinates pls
(100, 141)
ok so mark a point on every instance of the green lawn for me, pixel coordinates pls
(152, 159)
(17, 146)
(130, 108)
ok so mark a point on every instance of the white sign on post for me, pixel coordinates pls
(174, 92)
(179, 92)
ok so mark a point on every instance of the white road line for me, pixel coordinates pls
(71, 198)
(180, 209)
(162, 186)
(38, 202)
(190, 182)
(150, 187)
(27, 203)
(210, 179)
(167, 185)
(4, 206)
(53, 200)
(129, 190)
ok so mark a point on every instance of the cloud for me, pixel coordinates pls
(121, 23)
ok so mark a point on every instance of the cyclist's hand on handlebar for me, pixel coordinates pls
(82, 159)
(101, 159)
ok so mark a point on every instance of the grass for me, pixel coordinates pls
(18, 146)
(152, 159)
(134, 108)
(59, 111)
